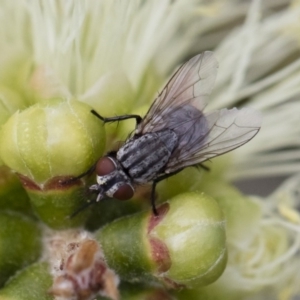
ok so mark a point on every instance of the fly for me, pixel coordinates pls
(174, 134)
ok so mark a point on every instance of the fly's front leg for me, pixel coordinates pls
(155, 182)
(118, 118)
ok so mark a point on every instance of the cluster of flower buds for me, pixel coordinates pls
(48, 144)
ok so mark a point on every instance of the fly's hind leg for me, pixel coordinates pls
(154, 183)
(118, 118)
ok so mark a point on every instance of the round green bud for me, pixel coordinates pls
(50, 139)
(242, 213)
(193, 231)
(56, 205)
(185, 245)
(12, 194)
(20, 243)
(47, 144)
(32, 283)
(125, 246)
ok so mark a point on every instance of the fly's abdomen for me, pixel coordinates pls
(146, 156)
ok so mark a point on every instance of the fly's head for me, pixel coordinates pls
(112, 181)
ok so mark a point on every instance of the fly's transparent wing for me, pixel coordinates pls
(179, 108)
(221, 131)
(189, 86)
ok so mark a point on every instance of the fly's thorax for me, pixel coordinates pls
(145, 157)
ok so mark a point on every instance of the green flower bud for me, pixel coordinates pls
(184, 246)
(12, 194)
(201, 237)
(242, 213)
(33, 283)
(54, 138)
(20, 243)
(56, 204)
(47, 143)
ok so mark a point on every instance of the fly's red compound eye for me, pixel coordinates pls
(124, 192)
(104, 166)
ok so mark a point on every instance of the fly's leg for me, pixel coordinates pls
(155, 182)
(118, 118)
(153, 198)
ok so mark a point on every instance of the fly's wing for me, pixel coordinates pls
(222, 131)
(190, 85)
(179, 108)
